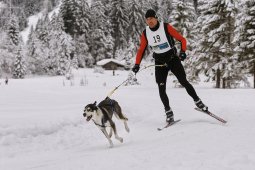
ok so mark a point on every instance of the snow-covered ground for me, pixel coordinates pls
(42, 128)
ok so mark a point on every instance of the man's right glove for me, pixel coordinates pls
(136, 68)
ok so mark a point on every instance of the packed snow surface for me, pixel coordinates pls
(42, 127)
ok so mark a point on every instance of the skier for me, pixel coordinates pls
(6, 80)
(160, 37)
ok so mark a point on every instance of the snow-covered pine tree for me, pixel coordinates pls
(82, 17)
(127, 54)
(165, 10)
(81, 51)
(7, 54)
(119, 20)
(136, 22)
(62, 52)
(245, 38)
(19, 71)
(13, 30)
(101, 41)
(183, 18)
(195, 2)
(36, 54)
(154, 5)
(217, 25)
(42, 29)
(67, 9)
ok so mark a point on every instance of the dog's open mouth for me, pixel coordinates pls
(89, 117)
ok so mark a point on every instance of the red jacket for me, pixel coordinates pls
(143, 42)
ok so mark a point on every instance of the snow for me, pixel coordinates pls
(42, 128)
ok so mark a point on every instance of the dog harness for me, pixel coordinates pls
(103, 125)
(105, 114)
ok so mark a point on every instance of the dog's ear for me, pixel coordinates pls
(95, 103)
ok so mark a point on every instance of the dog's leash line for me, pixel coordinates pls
(153, 65)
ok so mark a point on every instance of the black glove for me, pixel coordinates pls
(136, 68)
(182, 56)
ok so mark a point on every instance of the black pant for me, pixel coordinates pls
(175, 66)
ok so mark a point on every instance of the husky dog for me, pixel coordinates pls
(101, 115)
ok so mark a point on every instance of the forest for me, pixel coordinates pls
(220, 36)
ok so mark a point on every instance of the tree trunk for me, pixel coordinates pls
(224, 83)
(195, 5)
(218, 78)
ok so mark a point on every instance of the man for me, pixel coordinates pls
(160, 37)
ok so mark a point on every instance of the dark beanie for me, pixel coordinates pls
(150, 13)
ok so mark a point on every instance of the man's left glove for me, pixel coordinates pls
(182, 56)
(136, 68)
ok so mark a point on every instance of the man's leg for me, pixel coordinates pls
(161, 76)
(178, 70)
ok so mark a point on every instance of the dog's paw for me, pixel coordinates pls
(121, 140)
(127, 129)
(111, 146)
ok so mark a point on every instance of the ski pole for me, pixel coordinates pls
(153, 65)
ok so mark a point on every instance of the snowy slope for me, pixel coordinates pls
(32, 21)
(42, 128)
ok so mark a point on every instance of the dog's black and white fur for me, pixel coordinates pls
(102, 114)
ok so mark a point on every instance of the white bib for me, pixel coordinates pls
(157, 40)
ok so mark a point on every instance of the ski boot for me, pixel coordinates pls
(201, 105)
(169, 116)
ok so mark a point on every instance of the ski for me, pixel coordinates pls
(212, 115)
(169, 124)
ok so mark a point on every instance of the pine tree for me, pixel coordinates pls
(36, 51)
(42, 29)
(195, 2)
(67, 10)
(19, 71)
(165, 10)
(7, 55)
(13, 30)
(183, 18)
(119, 21)
(101, 41)
(136, 21)
(217, 25)
(154, 5)
(245, 38)
(61, 56)
(82, 17)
